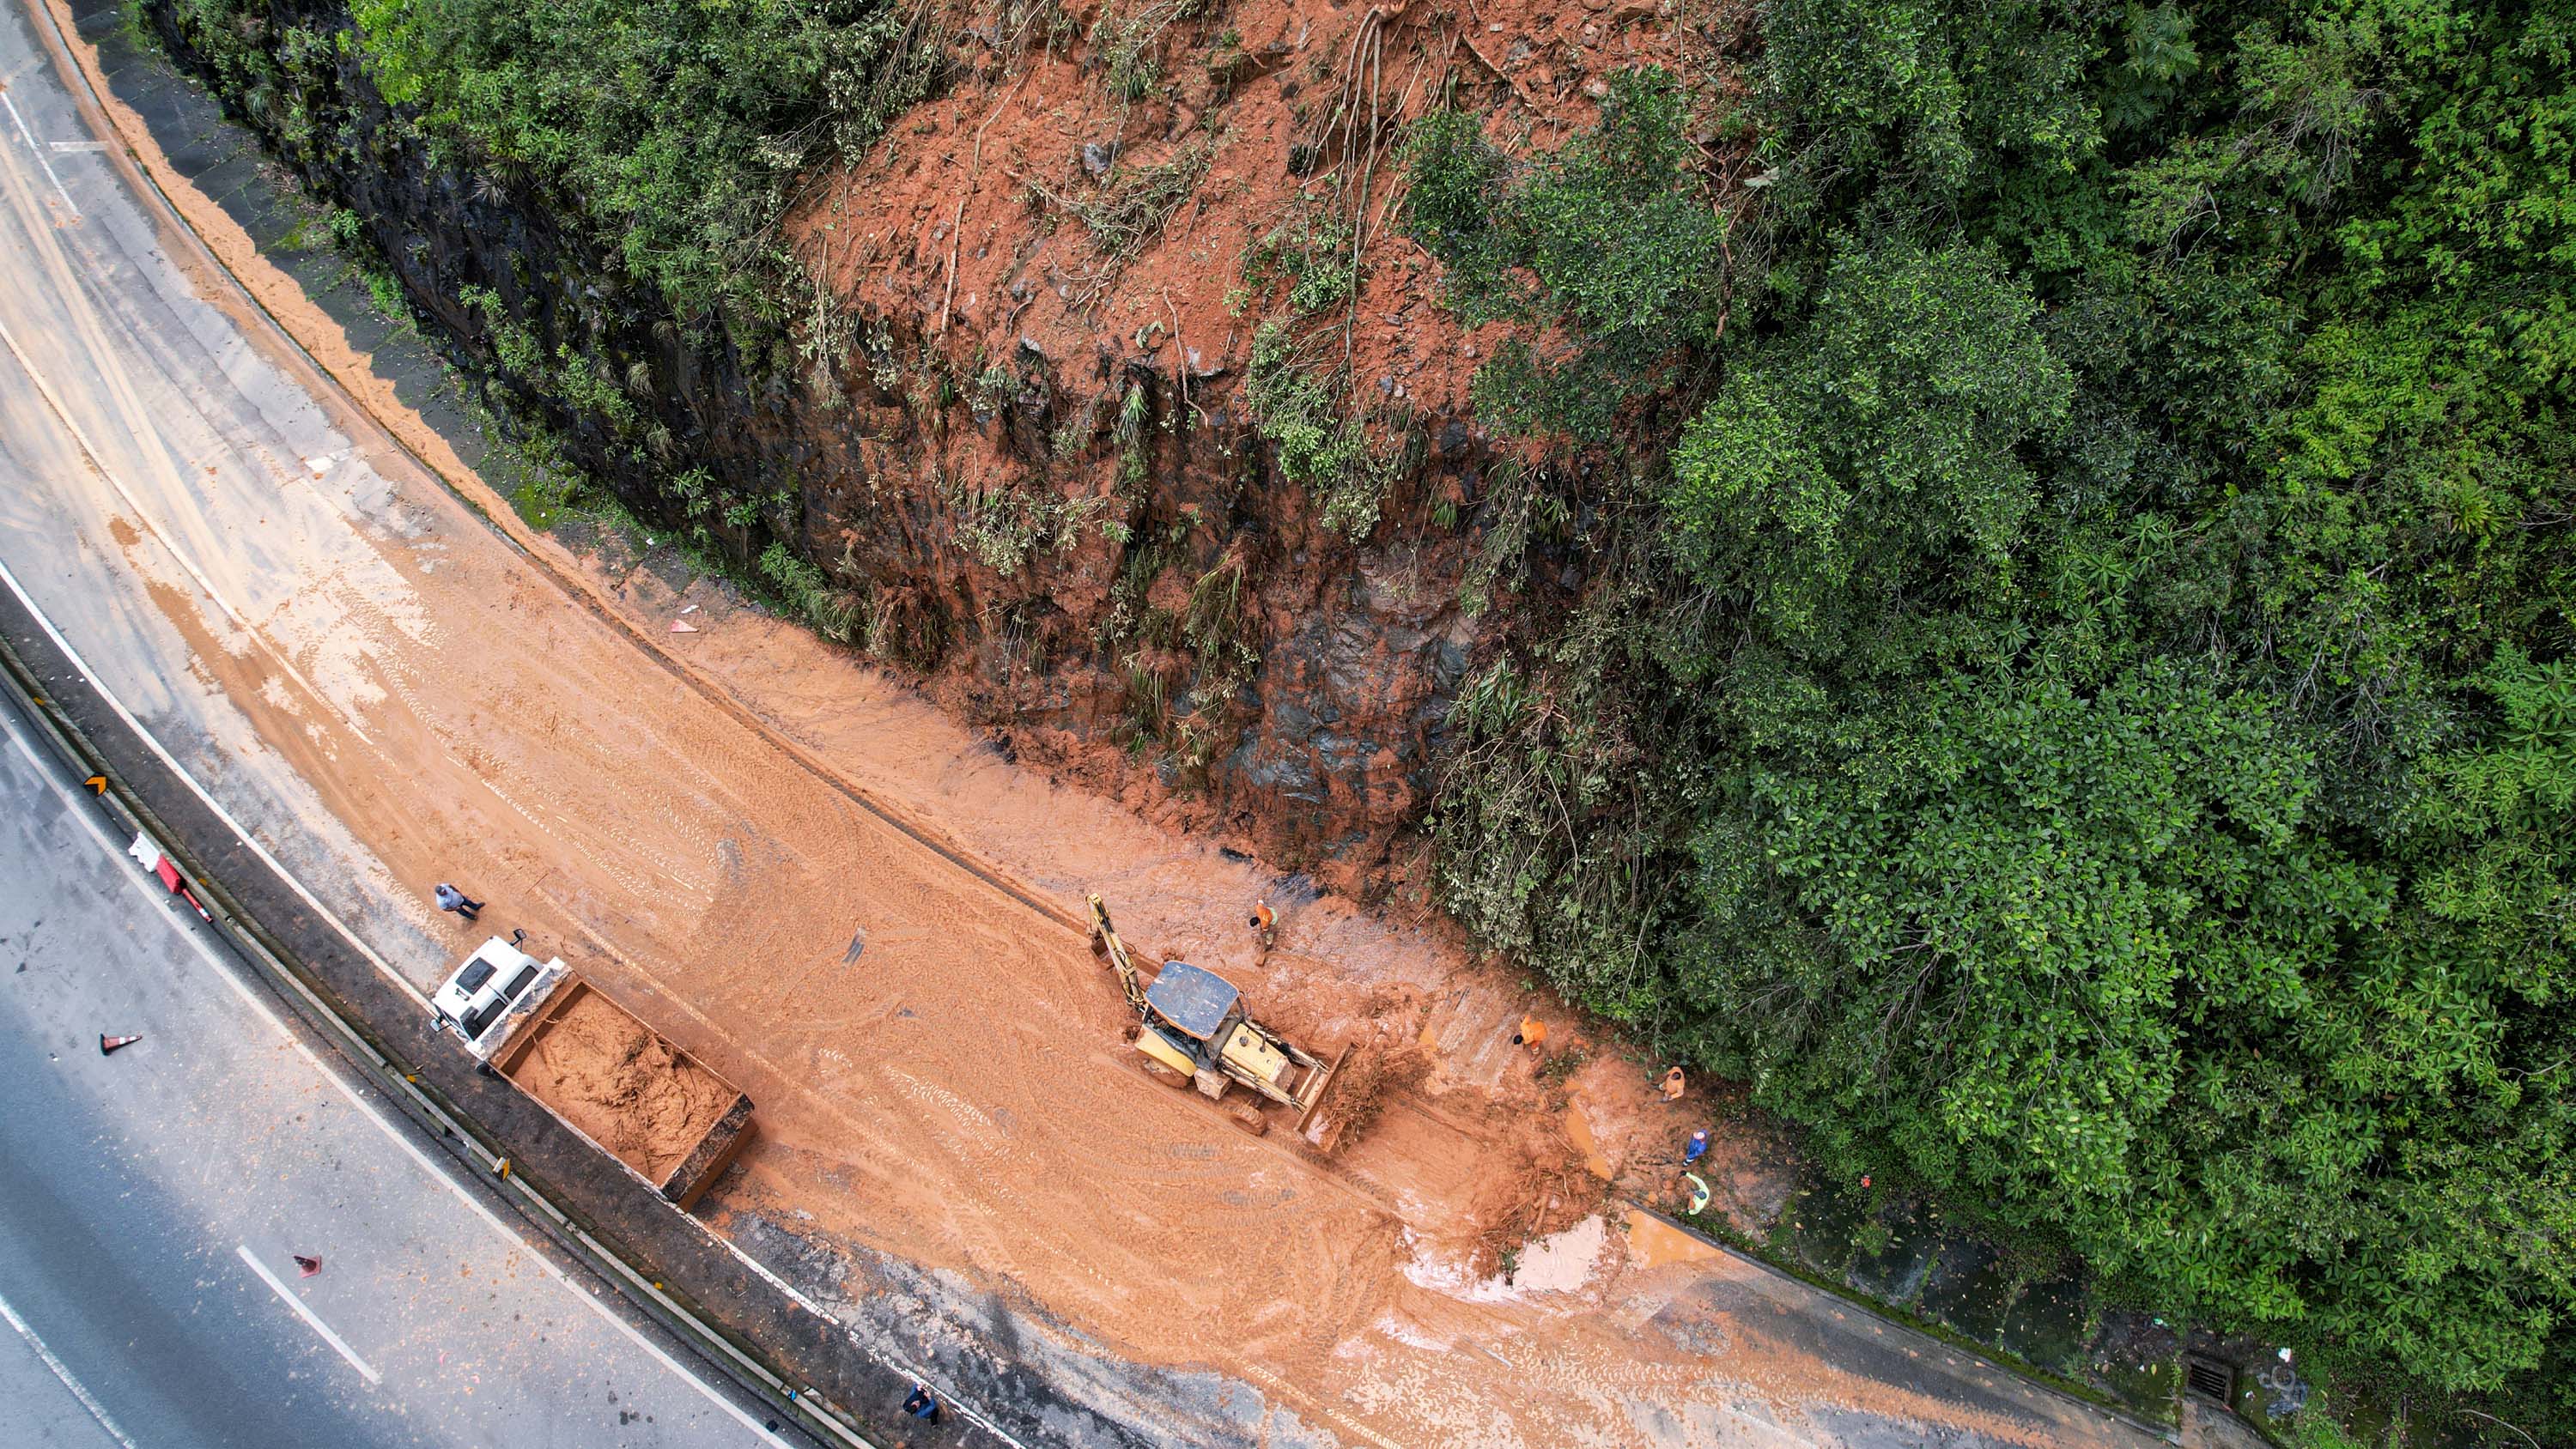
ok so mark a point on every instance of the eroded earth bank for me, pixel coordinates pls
(864, 912)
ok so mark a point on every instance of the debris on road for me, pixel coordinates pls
(149, 854)
(1193, 1031)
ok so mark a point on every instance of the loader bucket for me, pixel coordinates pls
(1320, 1088)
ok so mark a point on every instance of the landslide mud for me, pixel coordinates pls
(938, 1062)
(620, 1085)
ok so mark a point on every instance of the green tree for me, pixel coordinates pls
(1870, 466)
(674, 128)
(2080, 718)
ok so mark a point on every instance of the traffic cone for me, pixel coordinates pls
(306, 1267)
(110, 1045)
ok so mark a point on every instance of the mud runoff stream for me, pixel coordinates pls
(798, 870)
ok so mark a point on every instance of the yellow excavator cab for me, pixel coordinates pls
(1151, 1043)
(1190, 1021)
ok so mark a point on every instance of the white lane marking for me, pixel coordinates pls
(39, 153)
(96, 1409)
(204, 796)
(226, 972)
(311, 1319)
(80, 148)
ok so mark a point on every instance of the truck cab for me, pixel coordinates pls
(496, 984)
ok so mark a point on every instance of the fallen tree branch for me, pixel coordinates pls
(1488, 61)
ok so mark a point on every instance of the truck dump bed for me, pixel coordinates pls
(666, 1115)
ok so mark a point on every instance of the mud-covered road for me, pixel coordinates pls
(150, 1203)
(854, 910)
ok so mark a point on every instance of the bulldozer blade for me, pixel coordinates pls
(1323, 1088)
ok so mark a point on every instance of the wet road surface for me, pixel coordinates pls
(250, 493)
(154, 1202)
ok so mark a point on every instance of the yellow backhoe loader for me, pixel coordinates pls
(1193, 1032)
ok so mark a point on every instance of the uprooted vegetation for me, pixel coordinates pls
(2015, 556)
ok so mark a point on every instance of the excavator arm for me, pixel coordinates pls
(1106, 945)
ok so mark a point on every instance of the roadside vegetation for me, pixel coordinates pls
(2071, 697)
(674, 128)
(2069, 691)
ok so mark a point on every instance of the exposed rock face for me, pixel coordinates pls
(1059, 517)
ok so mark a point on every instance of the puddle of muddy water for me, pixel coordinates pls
(1565, 1262)
(1578, 1131)
(1652, 1242)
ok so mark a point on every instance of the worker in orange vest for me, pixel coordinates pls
(1673, 1085)
(1533, 1033)
(1265, 926)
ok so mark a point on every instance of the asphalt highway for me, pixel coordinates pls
(152, 1203)
(159, 469)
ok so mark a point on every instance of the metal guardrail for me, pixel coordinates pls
(382, 1065)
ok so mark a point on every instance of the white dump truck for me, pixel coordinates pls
(623, 1087)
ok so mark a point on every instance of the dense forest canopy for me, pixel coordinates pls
(2072, 697)
(2078, 710)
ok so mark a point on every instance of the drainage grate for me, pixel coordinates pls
(2209, 1378)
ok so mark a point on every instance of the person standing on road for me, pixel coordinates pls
(923, 1404)
(452, 899)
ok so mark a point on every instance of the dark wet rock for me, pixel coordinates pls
(1895, 1273)
(1819, 1227)
(1361, 639)
(1969, 1290)
(2047, 1325)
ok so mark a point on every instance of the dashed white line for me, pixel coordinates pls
(96, 1409)
(225, 972)
(311, 1319)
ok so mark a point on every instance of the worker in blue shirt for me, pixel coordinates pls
(923, 1404)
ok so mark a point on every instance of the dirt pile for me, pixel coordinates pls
(620, 1084)
(1372, 1075)
(736, 835)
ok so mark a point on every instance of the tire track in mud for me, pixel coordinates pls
(406, 678)
(1292, 1294)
